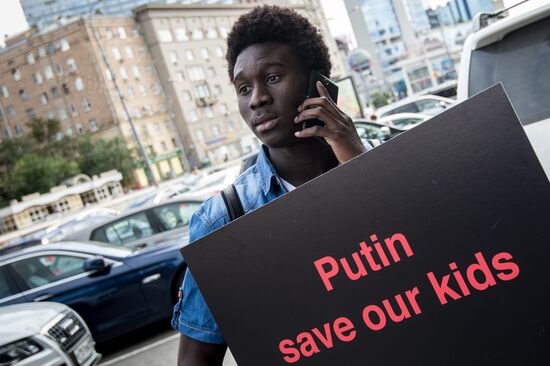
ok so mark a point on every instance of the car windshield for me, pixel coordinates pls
(404, 122)
(508, 60)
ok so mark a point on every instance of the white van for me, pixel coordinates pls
(515, 51)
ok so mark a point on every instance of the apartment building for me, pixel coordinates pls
(62, 73)
(188, 44)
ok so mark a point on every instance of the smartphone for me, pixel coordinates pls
(312, 92)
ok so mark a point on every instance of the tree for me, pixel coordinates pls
(44, 131)
(37, 173)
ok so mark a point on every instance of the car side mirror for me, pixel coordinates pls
(95, 264)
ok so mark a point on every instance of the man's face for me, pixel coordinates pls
(270, 83)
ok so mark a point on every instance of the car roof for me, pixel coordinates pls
(408, 100)
(376, 124)
(93, 248)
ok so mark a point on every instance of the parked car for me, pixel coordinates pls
(516, 52)
(159, 195)
(369, 130)
(114, 289)
(404, 121)
(45, 334)
(213, 183)
(142, 226)
(425, 104)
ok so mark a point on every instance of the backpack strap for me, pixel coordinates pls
(232, 202)
(374, 142)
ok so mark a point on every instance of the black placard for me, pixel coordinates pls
(460, 198)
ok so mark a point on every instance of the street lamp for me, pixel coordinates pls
(148, 171)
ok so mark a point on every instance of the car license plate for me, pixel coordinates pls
(84, 350)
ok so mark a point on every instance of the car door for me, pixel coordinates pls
(109, 302)
(131, 231)
(10, 292)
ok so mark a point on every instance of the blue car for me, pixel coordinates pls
(115, 289)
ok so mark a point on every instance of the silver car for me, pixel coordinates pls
(45, 333)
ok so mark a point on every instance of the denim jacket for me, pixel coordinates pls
(258, 185)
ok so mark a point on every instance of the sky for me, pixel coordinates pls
(12, 19)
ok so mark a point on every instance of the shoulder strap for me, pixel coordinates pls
(232, 202)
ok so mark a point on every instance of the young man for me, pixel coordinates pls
(270, 53)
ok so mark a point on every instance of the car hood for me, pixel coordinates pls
(24, 320)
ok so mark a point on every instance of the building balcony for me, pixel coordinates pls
(206, 101)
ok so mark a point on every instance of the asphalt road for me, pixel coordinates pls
(155, 345)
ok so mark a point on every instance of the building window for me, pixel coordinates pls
(216, 130)
(16, 74)
(73, 110)
(210, 72)
(37, 78)
(92, 124)
(143, 90)
(51, 49)
(224, 31)
(116, 53)
(18, 130)
(186, 96)
(130, 93)
(86, 107)
(30, 113)
(196, 73)
(108, 74)
(204, 53)
(109, 33)
(30, 58)
(135, 32)
(199, 134)
(51, 115)
(179, 76)
(181, 34)
(174, 143)
(71, 65)
(209, 112)
(149, 69)
(189, 55)
(121, 32)
(69, 131)
(4, 91)
(155, 88)
(142, 51)
(163, 146)
(123, 73)
(173, 57)
(144, 130)
(129, 52)
(202, 91)
(148, 109)
(11, 111)
(137, 112)
(62, 114)
(164, 35)
(58, 69)
(219, 52)
(197, 34)
(223, 109)
(55, 92)
(44, 98)
(23, 94)
(157, 127)
(64, 45)
(193, 116)
(162, 107)
(48, 72)
(230, 125)
(66, 89)
(135, 72)
(79, 128)
(212, 33)
(41, 52)
(78, 84)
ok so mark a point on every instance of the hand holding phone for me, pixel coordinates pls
(312, 92)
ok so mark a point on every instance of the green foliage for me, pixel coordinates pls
(38, 173)
(380, 99)
(39, 161)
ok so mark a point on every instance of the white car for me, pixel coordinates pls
(424, 104)
(45, 333)
(516, 52)
(404, 121)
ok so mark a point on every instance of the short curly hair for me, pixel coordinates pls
(271, 23)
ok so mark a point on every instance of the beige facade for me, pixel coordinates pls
(62, 74)
(188, 44)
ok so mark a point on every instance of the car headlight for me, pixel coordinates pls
(12, 353)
